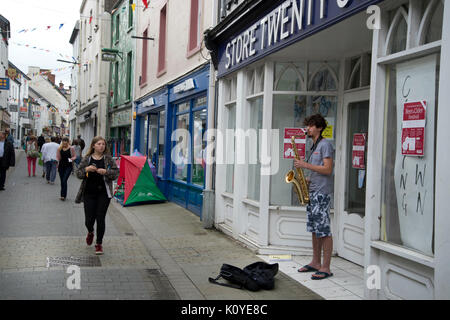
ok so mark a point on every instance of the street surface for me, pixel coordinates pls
(152, 252)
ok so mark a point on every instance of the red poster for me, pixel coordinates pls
(413, 128)
(358, 149)
(300, 142)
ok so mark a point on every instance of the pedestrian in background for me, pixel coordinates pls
(49, 158)
(65, 156)
(32, 154)
(41, 141)
(9, 137)
(81, 143)
(98, 170)
(7, 158)
(77, 148)
(47, 140)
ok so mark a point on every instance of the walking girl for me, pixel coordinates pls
(32, 154)
(98, 170)
(65, 156)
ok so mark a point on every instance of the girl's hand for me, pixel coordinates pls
(101, 171)
(91, 168)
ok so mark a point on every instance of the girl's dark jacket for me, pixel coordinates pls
(112, 173)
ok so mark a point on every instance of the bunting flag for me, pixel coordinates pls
(90, 19)
(133, 6)
(145, 3)
(60, 26)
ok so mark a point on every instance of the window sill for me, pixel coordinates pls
(142, 85)
(192, 52)
(404, 253)
(251, 202)
(228, 195)
(162, 72)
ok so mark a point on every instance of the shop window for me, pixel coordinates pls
(434, 30)
(199, 148)
(289, 112)
(182, 107)
(407, 216)
(358, 71)
(230, 147)
(143, 134)
(288, 77)
(255, 78)
(162, 137)
(254, 166)
(230, 85)
(397, 34)
(152, 136)
(180, 153)
(322, 77)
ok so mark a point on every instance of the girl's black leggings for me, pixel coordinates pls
(95, 207)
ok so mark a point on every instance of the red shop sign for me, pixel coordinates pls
(300, 142)
(413, 128)
(358, 149)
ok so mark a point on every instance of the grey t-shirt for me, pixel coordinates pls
(320, 182)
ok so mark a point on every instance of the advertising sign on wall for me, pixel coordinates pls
(300, 142)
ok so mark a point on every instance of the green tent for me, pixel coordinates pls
(136, 184)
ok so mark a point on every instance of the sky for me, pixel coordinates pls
(39, 14)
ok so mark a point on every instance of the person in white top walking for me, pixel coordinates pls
(49, 158)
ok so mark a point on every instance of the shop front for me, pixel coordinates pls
(276, 69)
(120, 131)
(170, 130)
(87, 121)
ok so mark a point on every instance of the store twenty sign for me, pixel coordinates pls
(288, 22)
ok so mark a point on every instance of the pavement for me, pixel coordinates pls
(152, 252)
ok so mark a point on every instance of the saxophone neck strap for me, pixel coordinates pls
(314, 146)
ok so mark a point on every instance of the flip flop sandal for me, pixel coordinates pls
(308, 269)
(320, 273)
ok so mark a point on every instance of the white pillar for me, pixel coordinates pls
(442, 177)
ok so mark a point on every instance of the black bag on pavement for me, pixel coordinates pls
(263, 274)
(256, 276)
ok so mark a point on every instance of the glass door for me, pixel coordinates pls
(352, 180)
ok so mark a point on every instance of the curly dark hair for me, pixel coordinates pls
(316, 120)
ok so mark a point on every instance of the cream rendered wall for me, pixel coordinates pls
(93, 83)
(177, 38)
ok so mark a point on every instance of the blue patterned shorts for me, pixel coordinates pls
(318, 213)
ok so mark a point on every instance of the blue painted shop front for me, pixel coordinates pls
(170, 127)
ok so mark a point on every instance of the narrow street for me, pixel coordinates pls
(151, 252)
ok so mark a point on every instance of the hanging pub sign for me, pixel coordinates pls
(4, 84)
(300, 142)
(107, 56)
(413, 128)
(12, 73)
(358, 150)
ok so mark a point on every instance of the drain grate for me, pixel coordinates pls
(87, 261)
(152, 272)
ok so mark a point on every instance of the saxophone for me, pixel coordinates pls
(298, 181)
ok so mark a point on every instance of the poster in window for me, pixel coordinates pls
(358, 150)
(300, 142)
(413, 128)
(414, 175)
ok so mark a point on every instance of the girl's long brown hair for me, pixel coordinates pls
(94, 141)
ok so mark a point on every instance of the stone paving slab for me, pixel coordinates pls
(136, 284)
